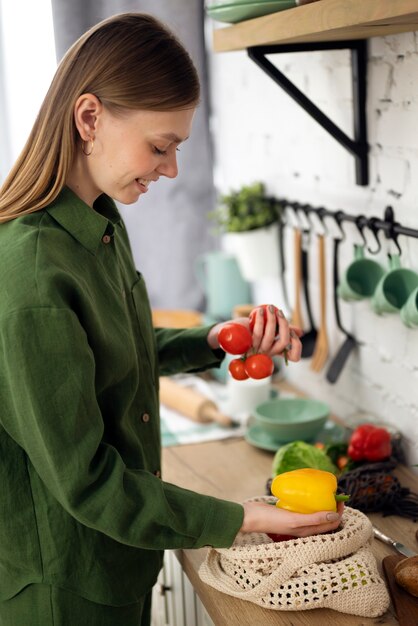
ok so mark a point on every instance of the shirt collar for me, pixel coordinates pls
(86, 224)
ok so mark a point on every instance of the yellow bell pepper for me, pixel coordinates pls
(306, 490)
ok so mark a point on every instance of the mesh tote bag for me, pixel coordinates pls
(335, 570)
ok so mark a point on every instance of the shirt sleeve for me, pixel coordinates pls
(47, 385)
(186, 350)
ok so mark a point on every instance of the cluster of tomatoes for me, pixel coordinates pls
(237, 340)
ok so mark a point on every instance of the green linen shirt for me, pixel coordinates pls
(82, 504)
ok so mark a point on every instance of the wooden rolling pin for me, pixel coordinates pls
(191, 403)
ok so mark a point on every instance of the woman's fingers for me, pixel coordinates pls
(283, 339)
(258, 330)
(261, 517)
(270, 330)
(272, 334)
(294, 348)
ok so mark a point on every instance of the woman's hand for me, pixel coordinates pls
(271, 336)
(265, 518)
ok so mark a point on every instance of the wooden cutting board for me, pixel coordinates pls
(406, 605)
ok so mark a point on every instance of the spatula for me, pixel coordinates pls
(320, 354)
(297, 319)
(282, 226)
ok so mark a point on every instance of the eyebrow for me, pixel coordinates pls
(172, 137)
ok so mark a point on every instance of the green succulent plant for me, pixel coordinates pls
(246, 209)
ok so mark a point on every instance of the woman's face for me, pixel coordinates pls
(132, 151)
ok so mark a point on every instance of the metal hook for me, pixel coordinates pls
(319, 213)
(306, 210)
(338, 217)
(390, 219)
(359, 222)
(372, 226)
(294, 206)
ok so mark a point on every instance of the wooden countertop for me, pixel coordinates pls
(235, 470)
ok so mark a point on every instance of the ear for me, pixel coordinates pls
(87, 110)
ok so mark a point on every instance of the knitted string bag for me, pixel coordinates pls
(334, 570)
(373, 487)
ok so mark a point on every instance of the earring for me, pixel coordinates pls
(91, 141)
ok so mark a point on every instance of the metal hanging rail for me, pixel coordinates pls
(388, 225)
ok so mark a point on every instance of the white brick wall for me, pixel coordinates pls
(261, 134)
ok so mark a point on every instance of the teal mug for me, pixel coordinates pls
(394, 288)
(360, 278)
(409, 311)
(222, 282)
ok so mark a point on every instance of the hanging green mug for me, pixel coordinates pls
(394, 288)
(409, 311)
(360, 279)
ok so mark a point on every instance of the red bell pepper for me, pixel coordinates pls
(369, 443)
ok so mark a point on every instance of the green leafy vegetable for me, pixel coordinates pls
(299, 454)
(335, 450)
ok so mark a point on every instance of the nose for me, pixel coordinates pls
(169, 167)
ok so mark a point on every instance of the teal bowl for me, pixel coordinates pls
(290, 419)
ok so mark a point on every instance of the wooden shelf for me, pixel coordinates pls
(326, 20)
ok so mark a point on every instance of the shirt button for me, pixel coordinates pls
(106, 238)
(157, 473)
(145, 417)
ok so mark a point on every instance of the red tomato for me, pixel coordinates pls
(237, 369)
(253, 314)
(259, 366)
(276, 537)
(235, 338)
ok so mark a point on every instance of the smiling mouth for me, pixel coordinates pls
(144, 182)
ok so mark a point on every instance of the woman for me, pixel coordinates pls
(84, 514)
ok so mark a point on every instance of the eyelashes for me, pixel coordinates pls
(162, 152)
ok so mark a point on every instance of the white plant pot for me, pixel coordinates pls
(256, 251)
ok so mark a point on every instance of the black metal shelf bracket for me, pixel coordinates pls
(358, 146)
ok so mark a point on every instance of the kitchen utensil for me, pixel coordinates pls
(288, 419)
(320, 354)
(191, 403)
(283, 266)
(233, 13)
(309, 336)
(391, 542)
(297, 319)
(350, 342)
(406, 605)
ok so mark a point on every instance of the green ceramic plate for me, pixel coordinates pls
(331, 433)
(260, 439)
(233, 13)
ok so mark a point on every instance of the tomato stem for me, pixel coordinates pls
(286, 358)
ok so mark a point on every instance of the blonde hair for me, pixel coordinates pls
(129, 61)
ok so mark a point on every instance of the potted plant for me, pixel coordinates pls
(249, 222)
